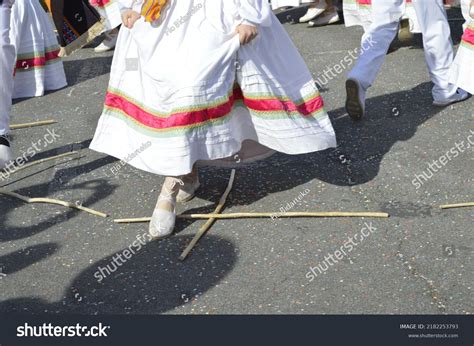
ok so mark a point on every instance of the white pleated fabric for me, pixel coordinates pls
(183, 90)
(465, 7)
(38, 67)
(359, 12)
(109, 10)
(462, 70)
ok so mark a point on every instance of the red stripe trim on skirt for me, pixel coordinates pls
(100, 3)
(193, 118)
(272, 105)
(37, 62)
(468, 36)
(369, 2)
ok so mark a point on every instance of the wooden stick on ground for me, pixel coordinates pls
(285, 215)
(460, 205)
(34, 124)
(135, 220)
(51, 201)
(266, 215)
(210, 221)
(37, 162)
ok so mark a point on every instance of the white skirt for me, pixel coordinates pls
(465, 6)
(462, 69)
(183, 90)
(38, 67)
(359, 12)
(109, 10)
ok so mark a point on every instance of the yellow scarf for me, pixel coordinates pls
(151, 9)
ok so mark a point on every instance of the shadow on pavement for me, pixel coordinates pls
(362, 146)
(21, 259)
(78, 71)
(152, 281)
(99, 189)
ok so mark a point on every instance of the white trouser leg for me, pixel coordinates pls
(377, 39)
(438, 46)
(7, 60)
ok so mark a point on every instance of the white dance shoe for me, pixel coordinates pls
(327, 18)
(6, 154)
(163, 221)
(355, 99)
(164, 216)
(314, 11)
(459, 96)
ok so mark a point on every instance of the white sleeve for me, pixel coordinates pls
(18, 16)
(246, 22)
(257, 12)
(127, 4)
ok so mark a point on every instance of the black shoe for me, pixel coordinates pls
(355, 99)
(4, 141)
(6, 155)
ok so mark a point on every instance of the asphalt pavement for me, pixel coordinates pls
(418, 261)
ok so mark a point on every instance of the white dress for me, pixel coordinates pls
(462, 69)
(359, 12)
(183, 90)
(109, 10)
(38, 67)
